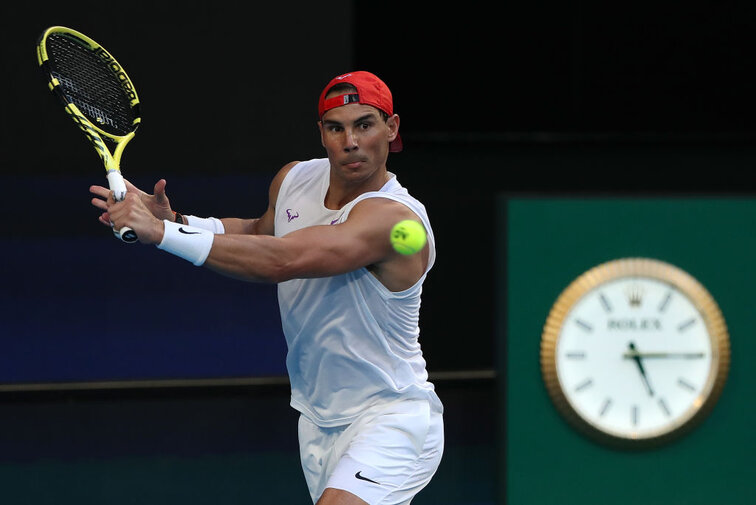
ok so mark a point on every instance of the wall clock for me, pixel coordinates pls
(635, 352)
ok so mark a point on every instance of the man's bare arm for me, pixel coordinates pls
(322, 251)
(264, 224)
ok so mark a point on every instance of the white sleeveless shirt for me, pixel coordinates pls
(352, 343)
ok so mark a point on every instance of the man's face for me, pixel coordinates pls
(357, 138)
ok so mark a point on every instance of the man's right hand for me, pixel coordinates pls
(157, 203)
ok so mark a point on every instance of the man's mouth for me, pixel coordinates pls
(353, 163)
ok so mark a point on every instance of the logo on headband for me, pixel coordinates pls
(351, 98)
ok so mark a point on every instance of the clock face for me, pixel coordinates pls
(635, 352)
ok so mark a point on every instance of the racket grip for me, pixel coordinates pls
(118, 187)
(126, 234)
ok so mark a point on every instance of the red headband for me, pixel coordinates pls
(370, 91)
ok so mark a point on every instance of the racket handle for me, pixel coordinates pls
(118, 187)
(126, 234)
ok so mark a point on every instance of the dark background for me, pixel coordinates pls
(523, 98)
(576, 67)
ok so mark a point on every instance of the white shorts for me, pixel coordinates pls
(386, 456)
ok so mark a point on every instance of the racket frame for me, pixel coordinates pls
(95, 134)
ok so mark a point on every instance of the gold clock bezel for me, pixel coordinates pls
(684, 283)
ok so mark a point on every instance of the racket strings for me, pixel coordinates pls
(90, 84)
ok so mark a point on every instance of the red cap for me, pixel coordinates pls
(370, 91)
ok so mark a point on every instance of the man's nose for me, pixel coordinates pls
(350, 141)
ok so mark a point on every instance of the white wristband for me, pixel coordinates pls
(206, 223)
(188, 242)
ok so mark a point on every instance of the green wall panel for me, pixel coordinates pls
(545, 245)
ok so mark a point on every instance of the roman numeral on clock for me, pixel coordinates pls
(587, 327)
(605, 407)
(664, 407)
(575, 355)
(605, 302)
(583, 385)
(685, 384)
(687, 324)
(665, 302)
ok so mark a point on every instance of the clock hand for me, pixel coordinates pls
(683, 355)
(637, 359)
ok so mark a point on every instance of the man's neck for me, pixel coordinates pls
(341, 192)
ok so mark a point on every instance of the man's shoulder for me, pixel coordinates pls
(391, 195)
(313, 164)
(307, 169)
(377, 205)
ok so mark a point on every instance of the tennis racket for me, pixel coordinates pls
(97, 95)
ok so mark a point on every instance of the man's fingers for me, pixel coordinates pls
(99, 203)
(130, 188)
(99, 191)
(159, 192)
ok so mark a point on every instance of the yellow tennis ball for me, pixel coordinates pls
(408, 237)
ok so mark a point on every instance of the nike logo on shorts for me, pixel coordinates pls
(364, 478)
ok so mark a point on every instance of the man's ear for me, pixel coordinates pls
(393, 125)
(320, 129)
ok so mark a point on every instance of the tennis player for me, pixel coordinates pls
(370, 429)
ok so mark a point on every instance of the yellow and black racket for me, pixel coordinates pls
(98, 96)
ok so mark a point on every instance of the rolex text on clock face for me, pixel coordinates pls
(634, 357)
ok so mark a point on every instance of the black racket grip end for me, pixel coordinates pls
(126, 234)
